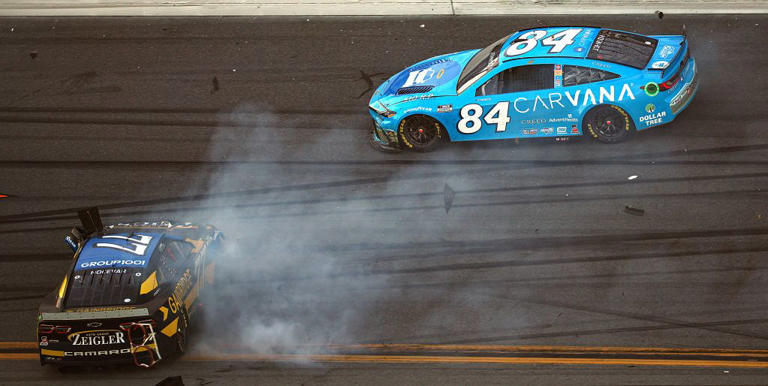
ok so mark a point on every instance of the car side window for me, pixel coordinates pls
(174, 255)
(575, 75)
(519, 79)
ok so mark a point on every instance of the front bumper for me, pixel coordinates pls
(383, 140)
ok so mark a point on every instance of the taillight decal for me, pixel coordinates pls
(45, 328)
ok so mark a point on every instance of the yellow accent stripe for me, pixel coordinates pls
(148, 285)
(63, 288)
(192, 295)
(473, 359)
(164, 310)
(559, 349)
(144, 348)
(53, 353)
(171, 328)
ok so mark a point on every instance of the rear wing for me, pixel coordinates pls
(91, 222)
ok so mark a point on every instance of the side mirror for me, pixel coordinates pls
(74, 238)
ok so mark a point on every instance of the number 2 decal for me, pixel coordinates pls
(470, 117)
(557, 41)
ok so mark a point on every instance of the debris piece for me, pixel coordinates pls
(215, 85)
(632, 177)
(448, 196)
(33, 54)
(634, 211)
(421, 26)
(660, 14)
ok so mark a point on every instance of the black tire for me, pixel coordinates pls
(420, 133)
(181, 342)
(608, 124)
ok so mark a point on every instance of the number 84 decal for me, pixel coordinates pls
(530, 40)
(470, 117)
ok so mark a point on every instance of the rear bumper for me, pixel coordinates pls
(683, 98)
(125, 336)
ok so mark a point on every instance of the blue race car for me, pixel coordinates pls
(540, 82)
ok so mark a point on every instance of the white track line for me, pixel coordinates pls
(368, 7)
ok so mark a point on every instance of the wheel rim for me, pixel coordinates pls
(609, 123)
(420, 131)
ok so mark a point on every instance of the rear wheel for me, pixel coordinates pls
(609, 124)
(420, 133)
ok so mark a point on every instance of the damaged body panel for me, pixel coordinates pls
(128, 295)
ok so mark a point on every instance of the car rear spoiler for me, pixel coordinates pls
(679, 52)
(91, 221)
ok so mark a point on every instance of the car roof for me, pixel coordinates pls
(118, 250)
(578, 49)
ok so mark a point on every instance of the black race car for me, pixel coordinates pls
(129, 293)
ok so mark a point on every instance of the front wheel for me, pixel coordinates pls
(420, 133)
(609, 124)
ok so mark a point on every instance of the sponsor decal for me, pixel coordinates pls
(43, 341)
(666, 51)
(444, 108)
(573, 99)
(175, 302)
(598, 42)
(109, 263)
(574, 129)
(529, 131)
(117, 251)
(562, 130)
(660, 64)
(94, 324)
(71, 242)
(579, 49)
(600, 64)
(558, 82)
(547, 130)
(570, 118)
(97, 338)
(417, 97)
(96, 353)
(651, 88)
(653, 119)
(649, 108)
(532, 121)
(432, 73)
(558, 67)
(558, 72)
(419, 108)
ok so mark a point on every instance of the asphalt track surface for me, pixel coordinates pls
(259, 126)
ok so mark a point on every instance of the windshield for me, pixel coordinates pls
(485, 60)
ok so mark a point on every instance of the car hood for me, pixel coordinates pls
(433, 77)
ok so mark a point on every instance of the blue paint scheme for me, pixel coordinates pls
(549, 110)
(119, 250)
